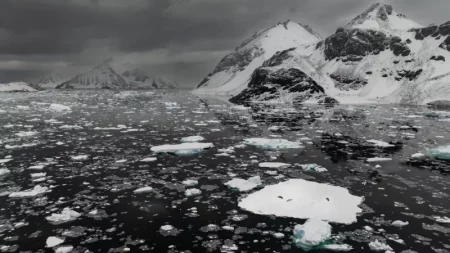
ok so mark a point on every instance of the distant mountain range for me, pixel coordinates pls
(381, 56)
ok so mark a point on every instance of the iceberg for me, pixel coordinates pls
(244, 185)
(314, 233)
(442, 152)
(272, 144)
(66, 215)
(302, 199)
(192, 139)
(182, 149)
(37, 190)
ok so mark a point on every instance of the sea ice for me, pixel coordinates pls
(313, 233)
(36, 175)
(4, 160)
(442, 219)
(192, 192)
(26, 134)
(4, 172)
(149, 159)
(80, 157)
(64, 249)
(182, 149)
(244, 185)
(143, 189)
(399, 223)
(190, 182)
(378, 159)
(59, 108)
(338, 247)
(379, 246)
(66, 215)
(192, 139)
(313, 168)
(417, 155)
(274, 165)
(303, 199)
(442, 152)
(36, 167)
(381, 144)
(272, 144)
(53, 241)
(37, 190)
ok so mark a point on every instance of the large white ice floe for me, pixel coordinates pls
(274, 165)
(53, 241)
(304, 199)
(192, 139)
(182, 149)
(244, 185)
(59, 108)
(37, 190)
(64, 249)
(272, 144)
(66, 215)
(312, 234)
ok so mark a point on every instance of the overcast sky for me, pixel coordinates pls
(179, 39)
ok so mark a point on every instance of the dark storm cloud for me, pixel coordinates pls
(183, 39)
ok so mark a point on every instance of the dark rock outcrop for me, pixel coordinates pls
(348, 83)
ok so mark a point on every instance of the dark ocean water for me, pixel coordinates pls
(114, 219)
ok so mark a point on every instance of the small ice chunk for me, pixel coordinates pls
(26, 134)
(53, 241)
(167, 228)
(80, 157)
(64, 249)
(228, 228)
(274, 165)
(378, 159)
(36, 167)
(149, 159)
(417, 155)
(312, 233)
(313, 167)
(2, 161)
(59, 108)
(272, 144)
(37, 190)
(190, 182)
(302, 199)
(4, 172)
(399, 223)
(442, 219)
(66, 215)
(381, 144)
(192, 192)
(182, 149)
(278, 235)
(379, 246)
(192, 139)
(338, 247)
(121, 161)
(143, 189)
(36, 175)
(244, 185)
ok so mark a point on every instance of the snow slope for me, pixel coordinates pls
(50, 81)
(232, 74)
(138, 78)
(16, 87)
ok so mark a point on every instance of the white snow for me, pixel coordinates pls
(379, 246)
(143, 189)
(4, 172)
(303, 199)
(378, 159)
(53, 241)
(272, 143)
(192, 139)
(16, 86)
(66, 215)
(312, 233)
(244, 185)
(192, 192)
(184, 148)
(59, 108)
(274, 165)
(37, 190)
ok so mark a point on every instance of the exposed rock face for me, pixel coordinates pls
(348, 83)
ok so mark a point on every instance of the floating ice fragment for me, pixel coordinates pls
(80, 157)
(313, 167)
(312, 234)
(442, 152)
(192, 192)
(381, 144)
(66, 215)
(36, 175)
(149, 159)
(192, 139)
(26, 134)
(278, 235)
(4, 172)
(244, 185)
(59, 108)
(36, 167)
(190, 182)
(37, 190)
(418, 155)
(338, 247)
(378, 159)
(64, 249)
(272, 144)
(53, 241)
(379, 246)
(442, 219)
(4, 160)
(121, 161)
(143, 189)
(183, 149)
(274, 165)
(303, 199)
(399, 223)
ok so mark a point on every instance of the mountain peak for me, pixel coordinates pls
(382, 17)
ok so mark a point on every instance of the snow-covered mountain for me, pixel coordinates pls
(16, 87)
(51, 80)
(380, 56)
(232, 75)
(113, 75)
